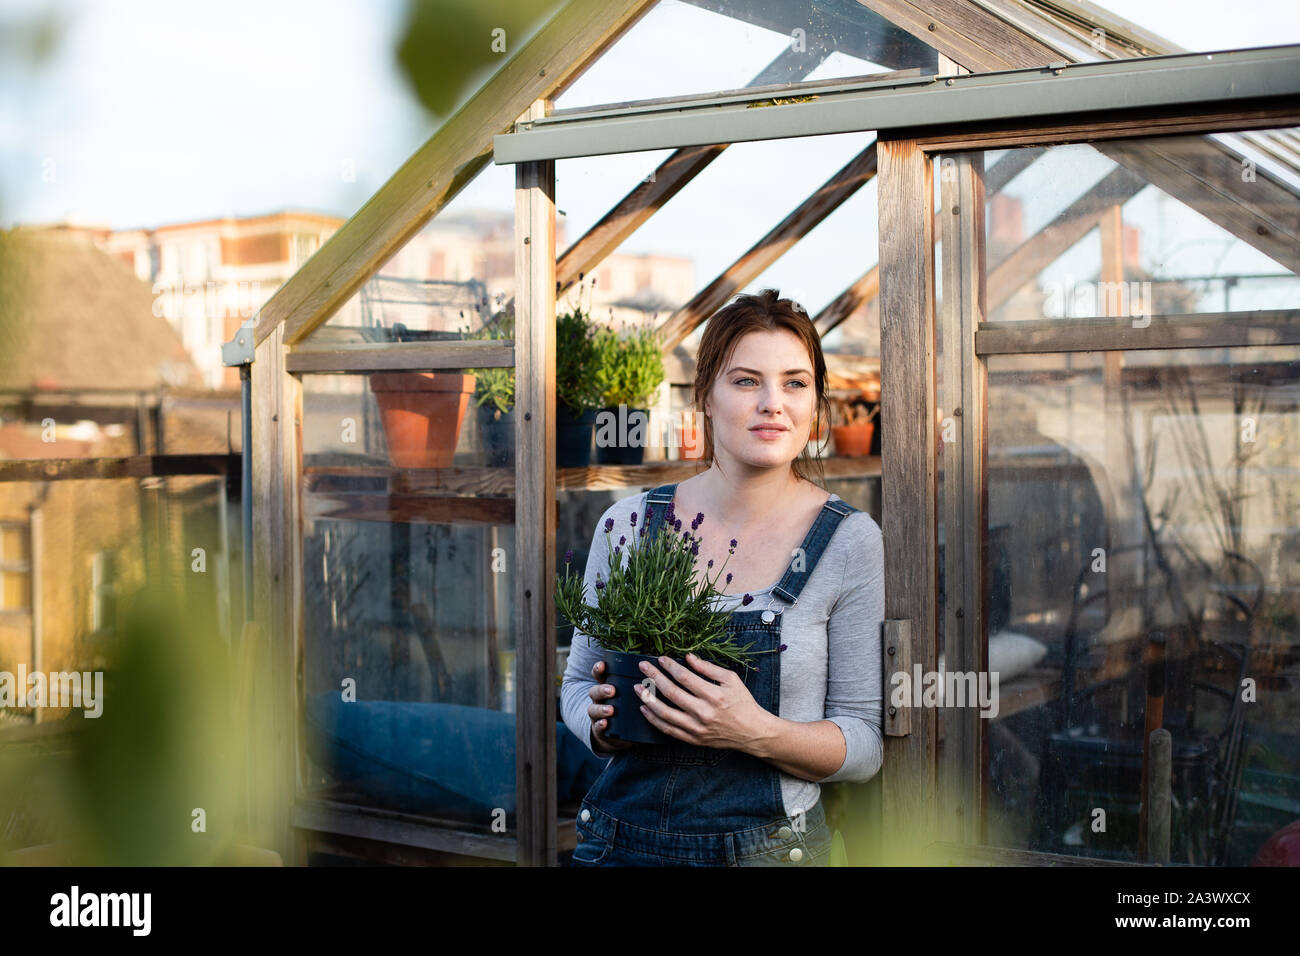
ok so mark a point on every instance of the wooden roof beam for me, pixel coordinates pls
(666, 181)
(965, 33)
(450, 159)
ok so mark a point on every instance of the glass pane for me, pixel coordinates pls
(1142, 530)
(707, 230)
(450, 278)
(408, 543)
(711, 46)
(1160, 226)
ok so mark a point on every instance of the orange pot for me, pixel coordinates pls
(853, 441)
(422, 414)
(692, 437)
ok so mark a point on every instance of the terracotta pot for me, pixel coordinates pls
(422, 414)
(853, 441)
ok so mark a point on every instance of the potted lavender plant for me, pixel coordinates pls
(652, 602)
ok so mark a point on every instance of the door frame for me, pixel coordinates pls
(912, 804)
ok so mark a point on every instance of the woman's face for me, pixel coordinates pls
(768, 380)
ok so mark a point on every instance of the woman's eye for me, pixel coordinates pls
(793, 381)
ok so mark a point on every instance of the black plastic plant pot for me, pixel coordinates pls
(498, 436)
(623, 671)
(624, 454)
(573, 438)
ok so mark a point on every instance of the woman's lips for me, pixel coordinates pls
(769, 433)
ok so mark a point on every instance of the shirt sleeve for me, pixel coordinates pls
(854, 689)
(584, 652)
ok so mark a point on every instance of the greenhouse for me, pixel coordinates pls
(1065, 363)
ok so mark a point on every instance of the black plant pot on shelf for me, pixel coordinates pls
(498, 432)
(623, 453)
(573, 437)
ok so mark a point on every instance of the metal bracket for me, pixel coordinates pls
(897, 658)
(240, 349)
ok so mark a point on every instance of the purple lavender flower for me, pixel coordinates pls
(695, 550)
(747, 600)
(622, 539)
(710, 562)
(616, 551)
(782, 647)
(600, 585)
(568, 556)
(634, 518)
(733, 544)
(728, 577)
(677, 525)
(642, 534)
(609, 525)
(699, 520)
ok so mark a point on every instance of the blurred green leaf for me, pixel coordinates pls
(444, 44)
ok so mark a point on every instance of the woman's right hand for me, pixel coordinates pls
(599, 712)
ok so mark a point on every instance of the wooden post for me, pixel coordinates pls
(535, 509)
(907, 348)
(1160, 744)
(963, 770)
(277, 567)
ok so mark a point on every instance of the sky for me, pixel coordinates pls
(159, 111)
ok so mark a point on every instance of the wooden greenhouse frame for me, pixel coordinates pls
(995, 60)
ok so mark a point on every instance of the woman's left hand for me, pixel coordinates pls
(717, 712)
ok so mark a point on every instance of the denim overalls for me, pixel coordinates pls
(678, 804)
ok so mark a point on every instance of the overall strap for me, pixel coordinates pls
(819, 535)
(657, 502)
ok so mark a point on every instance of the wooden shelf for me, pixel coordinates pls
(465, 480)
(466, 495)
(409, 830)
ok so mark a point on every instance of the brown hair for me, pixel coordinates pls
(763, 312)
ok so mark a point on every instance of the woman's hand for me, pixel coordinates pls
(717, 712)
(599, 713)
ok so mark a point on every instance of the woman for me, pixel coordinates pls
(738, 783)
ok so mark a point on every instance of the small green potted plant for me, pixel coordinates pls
(494, 393)
(652, 602)
(630, 367)
(577, 396)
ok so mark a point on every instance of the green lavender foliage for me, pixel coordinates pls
(495, 386)
(652, 600)
(630, 366)
(576, 361)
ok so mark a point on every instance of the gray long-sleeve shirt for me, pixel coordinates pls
(831, 667)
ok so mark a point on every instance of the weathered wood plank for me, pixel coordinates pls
(332, 480)
(968, 35)
(133, 466)
(1108, 125)
(342, 506)
(963, 771)
(908, 448)
(400, 356)
(535, 518)
(1195, 330)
